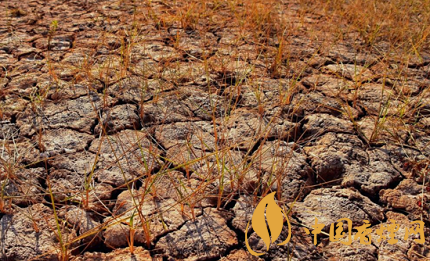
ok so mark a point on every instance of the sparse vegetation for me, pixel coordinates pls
(159, 125)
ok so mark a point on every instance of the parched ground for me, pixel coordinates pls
(150, 130)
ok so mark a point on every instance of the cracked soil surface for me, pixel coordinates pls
(165, 122)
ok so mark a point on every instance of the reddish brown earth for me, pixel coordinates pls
(126, 113)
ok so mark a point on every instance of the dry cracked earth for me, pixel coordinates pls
(136, 121)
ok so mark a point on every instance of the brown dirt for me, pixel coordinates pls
(168, 120)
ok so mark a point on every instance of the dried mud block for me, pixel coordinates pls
(118, 118)
(285, 168)
(300, 246)
(397, 247)
(166, 109)
(370, 178)
(61, 140)
(240, 254)
(331, 204)
(126, 154)
(303, 104)
(318, 124)
(245, 128)
(123, 254)
(334, 251)
(84, 223)
(157, 51)
(24, 188)
(350, 71)
(30, 233)
(207, 237)
(137, 90)
(79, 114)
(162, 217)
(199, 135)
(407, 196)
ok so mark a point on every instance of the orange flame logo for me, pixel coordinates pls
(275, 220)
